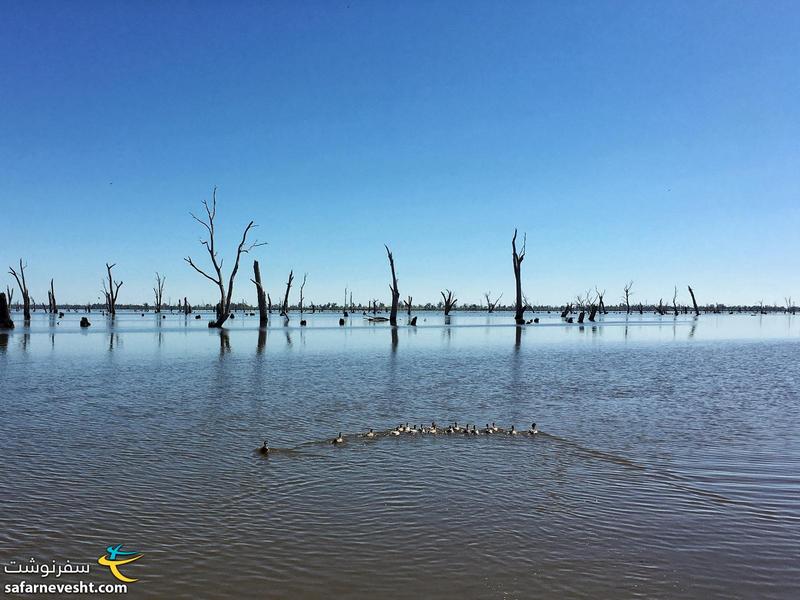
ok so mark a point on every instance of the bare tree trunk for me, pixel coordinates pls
(302, 286)
(223, 308)
(53, 303)
(675, 301)
(592, 311)
(23, 289)
(285, 308)
(187, 308)
(449, 302)
(269, 304)
(344, 304)
(5, 315)
(159, 291)
(111, 291)
(263, 319)
(408, 303)
(519, 312)
(628, 297)
(694, 302)
(393, 289)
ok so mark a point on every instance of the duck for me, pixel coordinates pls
(370, 434)
(395, 431)
(432, 428)
(513, 431)
(338, 440)
(474, 430)
(494, 427)
(264, 449)
(413, 430)
(488, 430)
(533, 430)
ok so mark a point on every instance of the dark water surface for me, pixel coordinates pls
(668, 465)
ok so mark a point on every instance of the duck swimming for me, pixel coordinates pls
(338, 440)
(513, 431)
(488, 430)
(264, 449)
(370, 434)
(533, 430)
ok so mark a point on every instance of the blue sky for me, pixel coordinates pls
(652, 141)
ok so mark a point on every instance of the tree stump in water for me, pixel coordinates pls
(580, 316)
(341, 322)
(413, 321)
(5, 315)
(85, 322)
(303, 323)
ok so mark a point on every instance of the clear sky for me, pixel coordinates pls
(652, 141)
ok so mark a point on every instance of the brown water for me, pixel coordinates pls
(668, 465)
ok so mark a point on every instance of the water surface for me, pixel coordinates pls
(668, 465)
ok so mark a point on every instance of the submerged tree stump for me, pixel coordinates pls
(85, 322)
(5, 315)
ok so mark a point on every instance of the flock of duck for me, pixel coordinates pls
(433, 429)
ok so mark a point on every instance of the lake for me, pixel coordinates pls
(668, 463)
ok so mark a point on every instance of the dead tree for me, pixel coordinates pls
(302, 286)
(5, 314)
(600, 304)
(408, 302)
(263, 319)
(393, 288)
(519, 312)
(285, 306)
(449, 302)
(660, 308)
(566, 311)
(23, 289)
(491, 305)
(789, 305)
(694, 302)
(627, 297)
(675, 301)
(51, 299)
(269, 304)
(111, 291)
(10, 294)
(187, 308)
(344, 304)
(158, 291)
(225, 295)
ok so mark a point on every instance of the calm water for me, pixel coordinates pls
(668, 464)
